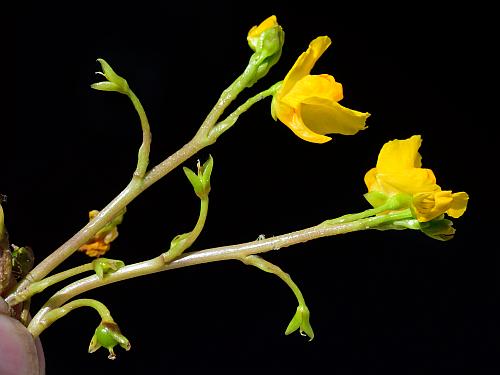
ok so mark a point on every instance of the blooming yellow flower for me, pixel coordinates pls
(308, 104)
(399, 171)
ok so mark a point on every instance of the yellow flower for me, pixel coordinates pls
(399, 171)
(308, 104)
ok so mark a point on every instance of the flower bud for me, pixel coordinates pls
(300, 321)
(114, 81)
(108, 335)
(266, 40)
(104, 266)
(201, 180)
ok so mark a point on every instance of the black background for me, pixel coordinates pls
(379, 301)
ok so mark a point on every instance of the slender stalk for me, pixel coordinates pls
(230, 120)
(40, 286)
(141, 180)
(58, 313)
(230, 252)
(185, 243)
(201, 139)
(81, 237)
(143, 156)
(264, 265)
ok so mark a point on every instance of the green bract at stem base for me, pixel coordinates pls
(232, 252)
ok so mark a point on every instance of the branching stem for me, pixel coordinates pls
(231, 252)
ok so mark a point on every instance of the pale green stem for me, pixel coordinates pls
(201, 139)
(58, 313)
(231, 252)
(136, 187)
(40, 286)
(185, 243)
(143, 156)
(230, 120)
(390, 205)
(264, 265)
(116, 206)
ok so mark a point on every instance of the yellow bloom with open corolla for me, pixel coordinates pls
(399, 171)
(308, 104)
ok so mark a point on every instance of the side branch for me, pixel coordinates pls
(230, 252)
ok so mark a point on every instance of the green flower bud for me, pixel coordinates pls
(114, 81)
(108, 335)
(300, 321)
(104, 266)
(201, 180)
(266, 40)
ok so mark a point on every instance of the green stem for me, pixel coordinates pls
(40, 286)
(264, 265)
(143, 156)
(202, 138)
(116, 206)
(137, 185)
(230, 252)
(230, 120)
(185, 243)
(37, 327)
(391, 204)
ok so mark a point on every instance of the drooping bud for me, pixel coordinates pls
(300, 321)
(108, 335)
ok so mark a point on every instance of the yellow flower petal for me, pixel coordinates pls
(429, 205)
(255, 31)
(324, 116)
(305, 63)
(400, 155)
(458, 205)
(321, 86)
(411, 181)
(302, 131)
